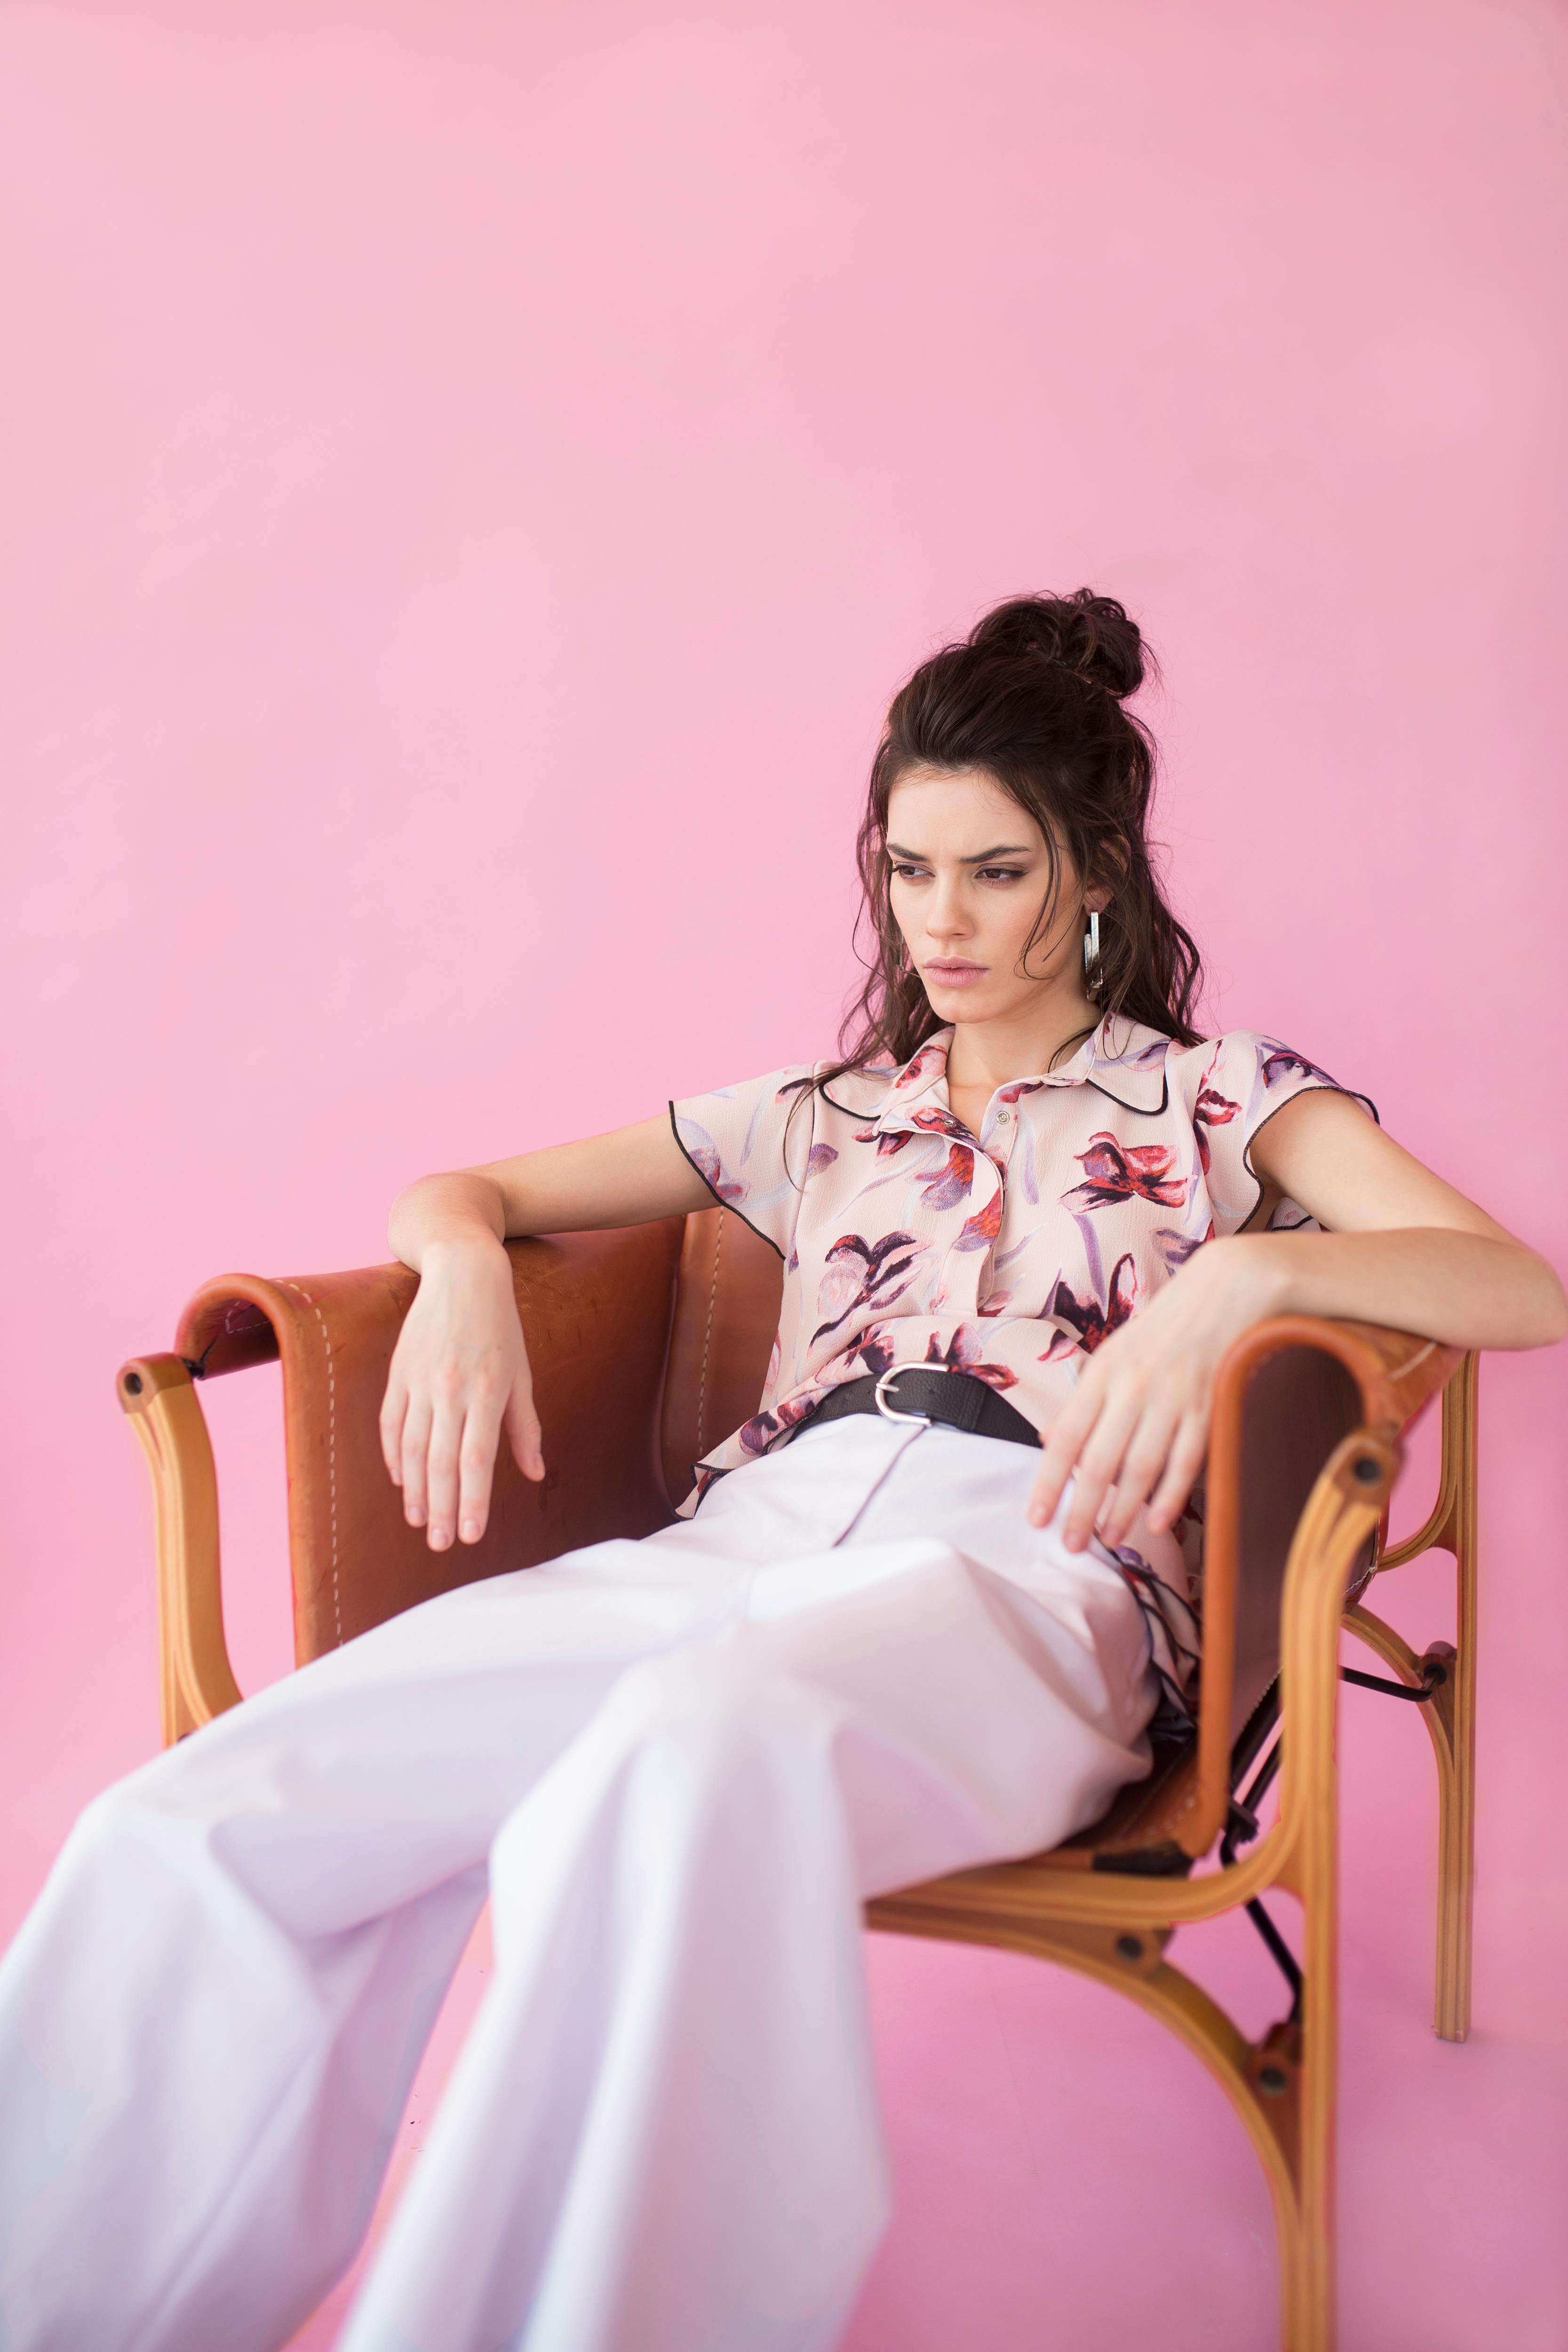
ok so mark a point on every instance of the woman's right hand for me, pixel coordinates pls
(459, 1374)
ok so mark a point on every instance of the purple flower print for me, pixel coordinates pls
(1286, 1065)
(875, 1353)
(962, 1354)
(1176, 1248)
(1090, 1319)
(946, 1191)
(863, 1274)
(1114, 1171)
(711, 1168)
(822, 1155)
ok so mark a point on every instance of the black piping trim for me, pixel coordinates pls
(722, 1205)
(844, 1108)
(1247, 1152)
(1138, 1109)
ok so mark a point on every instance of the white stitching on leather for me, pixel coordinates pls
(332, 1454)
(707, 1339)
(1418, 1358)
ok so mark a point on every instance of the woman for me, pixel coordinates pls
(919, 1615)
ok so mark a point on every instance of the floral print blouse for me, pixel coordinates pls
(1010, 1254)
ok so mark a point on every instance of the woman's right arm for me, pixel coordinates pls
(460, 1372)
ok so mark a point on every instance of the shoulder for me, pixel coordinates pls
(1246, 1058)
(1245, 1075)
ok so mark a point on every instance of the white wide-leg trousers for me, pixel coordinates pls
(676, 1767)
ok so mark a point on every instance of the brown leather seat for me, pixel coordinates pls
(650, 1344)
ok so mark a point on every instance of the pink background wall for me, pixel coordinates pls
(472, 476)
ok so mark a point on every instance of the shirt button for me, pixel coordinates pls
(1003, 1117)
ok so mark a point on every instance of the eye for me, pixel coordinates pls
(1000, 873)
(908, 873)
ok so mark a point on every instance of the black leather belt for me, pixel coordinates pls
(919, 1393)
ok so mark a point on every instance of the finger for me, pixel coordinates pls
(1185, 1460)
(476, 1467)
(1147, 1453)
(1098, 1465)
(441, 1472)
(415, 1446)
(1064, 1441)
(394, 1406)
(523, 1430)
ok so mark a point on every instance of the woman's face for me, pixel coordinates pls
(970, 872)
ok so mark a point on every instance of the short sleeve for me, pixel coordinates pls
(750, 1144)
(1247, 1079)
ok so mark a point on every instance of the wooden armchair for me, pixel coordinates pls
(651, 1343)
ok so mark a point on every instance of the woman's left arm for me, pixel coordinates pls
(1399, 1247)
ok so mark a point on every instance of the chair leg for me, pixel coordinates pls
(1450, 1711)
(1457, 1787)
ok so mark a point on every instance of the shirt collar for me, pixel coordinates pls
(1122, 1059)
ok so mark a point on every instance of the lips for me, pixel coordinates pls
(954, 975)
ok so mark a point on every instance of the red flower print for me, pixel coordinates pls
(1019, 1088)
(934, 1122)
(763, 1427)
(981, 1230)
(887, 1144)
(924, 1062)
(1211, 1109)
(962, 1354)
(1117, 1172)
(862, 1274)
(946, 1191)
(1093, 1321)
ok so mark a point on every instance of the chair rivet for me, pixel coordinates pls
(133, 1383)
(1368, 1471)
(1130, 1947)
(1274, 2080)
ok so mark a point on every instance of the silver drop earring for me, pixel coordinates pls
(1091, 952)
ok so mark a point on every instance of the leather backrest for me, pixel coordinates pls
(726, 1319)
(596, 1307)
(1299, 1405)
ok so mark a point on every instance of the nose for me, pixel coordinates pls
(946, 918)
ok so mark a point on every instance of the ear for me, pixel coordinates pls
(1113, 867)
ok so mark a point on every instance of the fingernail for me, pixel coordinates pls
(470, 1531)
(415, 1516)
(439, 1538)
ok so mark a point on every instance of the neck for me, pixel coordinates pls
(1021, 1044)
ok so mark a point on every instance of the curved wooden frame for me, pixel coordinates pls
(1111, 1922)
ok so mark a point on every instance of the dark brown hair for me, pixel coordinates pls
(1034, 695)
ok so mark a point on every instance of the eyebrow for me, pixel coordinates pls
(982, 857)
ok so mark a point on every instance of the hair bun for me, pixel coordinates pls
(1090, 636)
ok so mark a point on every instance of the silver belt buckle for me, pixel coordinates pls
(891, 1413)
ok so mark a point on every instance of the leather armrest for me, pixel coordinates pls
(596, 1311)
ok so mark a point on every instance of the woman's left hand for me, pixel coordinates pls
(1136, 1428)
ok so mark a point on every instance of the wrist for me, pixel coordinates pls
(1254, 1273)
(461, 1248)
